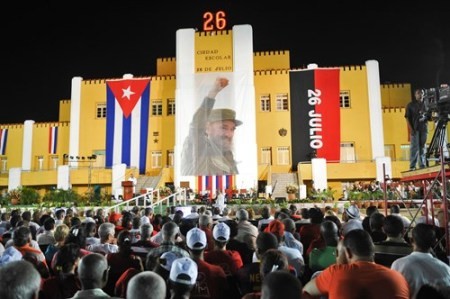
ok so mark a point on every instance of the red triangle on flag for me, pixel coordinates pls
(128, 92)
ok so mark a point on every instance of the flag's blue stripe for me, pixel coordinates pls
(110, 112)
(55, 139)
(145, 104)
(126, 139)
(5, 139)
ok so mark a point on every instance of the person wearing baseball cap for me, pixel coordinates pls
(208, 149)
(220, 255)
(182, 277)
(211, 277)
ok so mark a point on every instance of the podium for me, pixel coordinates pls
(127, 190)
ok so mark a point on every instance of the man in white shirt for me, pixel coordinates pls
(421, 267)
(134, 180)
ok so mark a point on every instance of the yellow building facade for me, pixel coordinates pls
(28, 150)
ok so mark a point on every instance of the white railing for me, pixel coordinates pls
(152, 199)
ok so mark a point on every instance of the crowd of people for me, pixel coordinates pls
(220, 253)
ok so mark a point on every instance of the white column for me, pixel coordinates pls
(375, 112)
(27, 144)
(63, 177)
(184, 93)
(319, 173)
(14, 180)
(75, 111)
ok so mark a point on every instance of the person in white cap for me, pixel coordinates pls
(212, 281)
(229, 260)
(182, 278)
(208, 149)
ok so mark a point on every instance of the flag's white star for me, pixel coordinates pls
(127, 92)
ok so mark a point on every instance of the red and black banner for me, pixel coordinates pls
(315, 115)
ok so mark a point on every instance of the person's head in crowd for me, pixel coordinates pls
(371, 209)
(281, 284)
(60, 213)
(43, 218)
(221, 234)
(90, 228)
(146, 231)
(423, 237)
(265, 212)
(61, 232)
(242, 215)
(77, 235)
(182, 277)
(315, 215)
(225, 212)
(352, 212)
(75, 221)
(357, 245)
(107, 232)
(196, 241)
(67, 259)
(178, 216)
(376, 221)
(393, 226)
(26, 216)
(330, 232)
(49, 224)
(289, 225)
(273, 260)
(124, 242)
(21, 236)
(89, 213)
(334, 219)
(93, 271)
(19, 279)
(277, 228)
(205, 221)
(304, 212)
(170, 231)
(146, 284)
(264, 242)
(395, 209)
(164, 264)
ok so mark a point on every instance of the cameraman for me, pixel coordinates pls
(417, 118)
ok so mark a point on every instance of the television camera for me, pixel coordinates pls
(437, 107)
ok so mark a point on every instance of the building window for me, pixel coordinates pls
(282, 102)
(404, 152)
(3, 162)
(348, 152)
(344, 99)
(39, 163)
(101, 111)
(170, 106)
(54, 162)
(170, 155)
(389, 151)
(266, 156)
(157, 107)
(283, 155)
(265, 103)
(156, 159)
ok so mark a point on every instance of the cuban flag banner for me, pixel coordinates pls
(3, 140)
(315, 115)
(213, 183)
(52, 140)
(127, 122)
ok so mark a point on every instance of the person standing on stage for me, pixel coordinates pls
(417, 119)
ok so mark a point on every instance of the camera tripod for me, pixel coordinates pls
(436, 147)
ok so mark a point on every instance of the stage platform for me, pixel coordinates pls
(427, 173)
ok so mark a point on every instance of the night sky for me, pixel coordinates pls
(45, 45)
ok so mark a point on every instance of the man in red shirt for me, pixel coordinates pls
(211, 279)
(355, 274)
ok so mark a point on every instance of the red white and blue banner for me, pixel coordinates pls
(3, 140)
(315, 115)
(214, 183)
(52, 140)
(127, 122)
